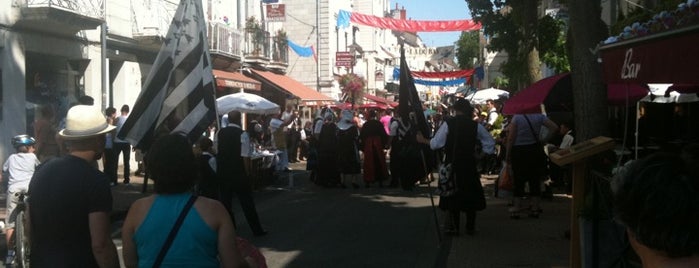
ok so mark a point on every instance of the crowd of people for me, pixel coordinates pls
(71, 199)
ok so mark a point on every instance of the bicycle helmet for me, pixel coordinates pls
(23, 140)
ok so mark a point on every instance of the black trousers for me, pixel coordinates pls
(455, 216)
(125, 149)
(247, 203)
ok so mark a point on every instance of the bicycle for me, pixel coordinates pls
(20, 235)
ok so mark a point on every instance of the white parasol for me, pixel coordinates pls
(246, 103)
(479, 97)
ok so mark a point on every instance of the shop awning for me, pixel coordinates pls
(308, 96)
(380, 100)
(667, 57)
(236, 80)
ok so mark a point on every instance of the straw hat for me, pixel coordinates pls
(83, 121)
(346, 120)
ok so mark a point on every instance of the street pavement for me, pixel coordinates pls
(311, 226)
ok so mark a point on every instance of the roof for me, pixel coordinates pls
(233, 79)
(308, 96)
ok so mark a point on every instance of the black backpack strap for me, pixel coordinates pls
(173, 232)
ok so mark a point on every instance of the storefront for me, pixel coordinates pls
(234, 82)
(284, 90)
(667, 120)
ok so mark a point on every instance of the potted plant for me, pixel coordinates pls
(281, 43)
(253, 28)
(351, 84)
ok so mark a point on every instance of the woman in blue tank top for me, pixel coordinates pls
(206, 237)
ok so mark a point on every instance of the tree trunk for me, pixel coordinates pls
(589, 91)
(525, 13)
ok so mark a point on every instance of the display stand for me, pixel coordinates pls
(578, 155)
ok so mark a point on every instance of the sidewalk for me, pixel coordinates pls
(503, 242)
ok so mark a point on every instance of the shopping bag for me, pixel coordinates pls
(506, 181)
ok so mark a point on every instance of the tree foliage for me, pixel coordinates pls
(467, 48)
(513, 26)
(552, 43)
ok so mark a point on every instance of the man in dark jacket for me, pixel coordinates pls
(231, 173)
(458, 137)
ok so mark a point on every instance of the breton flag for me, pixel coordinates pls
(178, 95)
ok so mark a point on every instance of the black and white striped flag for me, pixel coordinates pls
(178, 95)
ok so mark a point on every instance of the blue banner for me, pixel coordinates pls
(301, 51)
(447, 83)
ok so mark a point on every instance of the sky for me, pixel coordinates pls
(435, 10)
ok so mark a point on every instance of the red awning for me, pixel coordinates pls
(556, 93)
(309, 97)
(380, 100)
(668, 57)
(236, 80)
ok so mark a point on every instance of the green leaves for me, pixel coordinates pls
(467, 49)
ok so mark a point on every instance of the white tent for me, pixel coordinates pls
(481, 96)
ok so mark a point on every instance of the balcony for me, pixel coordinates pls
(64, 16)
(151, 21)
(225, 45)
(263, 49)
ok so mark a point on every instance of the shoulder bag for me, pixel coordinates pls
(173, 232)
(446, 186)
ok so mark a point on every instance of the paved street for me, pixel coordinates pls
(310, 226)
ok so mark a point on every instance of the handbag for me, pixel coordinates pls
(173, 232)
(446, 185)
(542, 136)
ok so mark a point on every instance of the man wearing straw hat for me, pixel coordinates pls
(71, 200)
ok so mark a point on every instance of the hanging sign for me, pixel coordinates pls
(344, 59)
(276, 12)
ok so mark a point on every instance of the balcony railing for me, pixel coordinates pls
(224, 40)
(152, 18)
(64, 17)
(88, 8)
(260, 44)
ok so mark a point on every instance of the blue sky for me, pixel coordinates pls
(435, 10)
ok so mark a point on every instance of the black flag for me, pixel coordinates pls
(409, 104)
(178, 95)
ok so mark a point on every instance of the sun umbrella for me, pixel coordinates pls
(246, 103)
(556, 94)
(479, 97)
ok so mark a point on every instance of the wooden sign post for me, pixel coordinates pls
(578, 155)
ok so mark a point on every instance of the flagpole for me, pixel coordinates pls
(414, 122)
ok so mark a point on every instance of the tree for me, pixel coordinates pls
(552, 43)
(511, 25)
(467, 49)
(586, 32)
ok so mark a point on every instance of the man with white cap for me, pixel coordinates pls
(71, 200)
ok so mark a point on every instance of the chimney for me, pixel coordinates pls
(402, 13)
